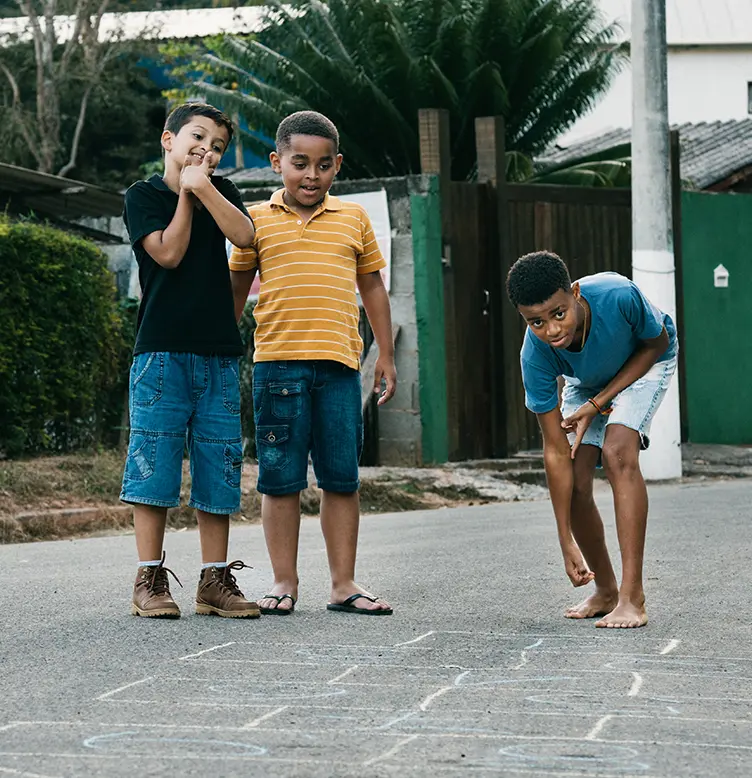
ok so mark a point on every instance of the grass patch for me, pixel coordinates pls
(58, 482)
(49, 487)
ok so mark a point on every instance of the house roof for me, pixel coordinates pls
(61, 198)
(162, 25)
(710, 152)
(247, 178)
(688, 22)
(692, 22)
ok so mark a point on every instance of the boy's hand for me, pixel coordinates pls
(195, 174)
(578, 423)
(575, 566)
(386, 371)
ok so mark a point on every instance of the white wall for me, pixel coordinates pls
(704, 85)
(708, 85)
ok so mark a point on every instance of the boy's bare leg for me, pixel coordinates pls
(214, 531)
(280, 516)
(149, 523)
(587, 528)
(621, 461)
(340, 521)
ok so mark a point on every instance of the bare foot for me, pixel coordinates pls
(625, 615)
(341, 593)
(280, 589)
(599, 603)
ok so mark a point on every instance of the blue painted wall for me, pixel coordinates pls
(160, 77)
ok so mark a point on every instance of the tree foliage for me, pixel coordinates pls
(594, 173)
(370, 65)
(75, 105)
(62, 376)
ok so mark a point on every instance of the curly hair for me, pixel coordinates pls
(536, 277)
(305, 123)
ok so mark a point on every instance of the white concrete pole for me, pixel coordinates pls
(652, 234)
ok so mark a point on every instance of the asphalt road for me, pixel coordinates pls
(476, 673)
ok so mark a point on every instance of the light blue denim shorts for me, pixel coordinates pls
(179, 401)
(634, 407)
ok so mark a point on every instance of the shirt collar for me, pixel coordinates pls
(329, 203)
(158, 183)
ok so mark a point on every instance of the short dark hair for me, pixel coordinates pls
(306, 123)
(536, 277)
(182, 114)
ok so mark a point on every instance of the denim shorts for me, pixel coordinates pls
(634, 407)
(304, 407)
(179, 399)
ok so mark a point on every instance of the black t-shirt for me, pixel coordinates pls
(189, 308)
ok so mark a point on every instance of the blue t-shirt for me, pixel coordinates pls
(621, 317)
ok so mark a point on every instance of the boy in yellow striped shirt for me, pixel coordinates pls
(313, 252)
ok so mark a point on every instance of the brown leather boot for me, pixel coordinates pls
(218, 594)
(151, 593)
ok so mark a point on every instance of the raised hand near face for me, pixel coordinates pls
(196, 172)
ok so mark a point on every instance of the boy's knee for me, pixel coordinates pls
(582, 487)
(620, 458)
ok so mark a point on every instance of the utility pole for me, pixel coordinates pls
(652, 234)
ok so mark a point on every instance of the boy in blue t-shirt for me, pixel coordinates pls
(616, 353)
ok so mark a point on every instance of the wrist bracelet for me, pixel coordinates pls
(602, 411)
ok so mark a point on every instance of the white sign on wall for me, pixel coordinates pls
(377, 208)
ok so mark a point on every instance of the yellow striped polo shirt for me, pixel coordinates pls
(307, 306)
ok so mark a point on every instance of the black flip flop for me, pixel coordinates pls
(348, 607)
(276, 610)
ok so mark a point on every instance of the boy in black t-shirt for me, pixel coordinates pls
(184, 378)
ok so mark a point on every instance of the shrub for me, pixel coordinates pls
(63, 342)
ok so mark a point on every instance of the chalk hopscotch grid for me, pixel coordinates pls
(596, 733)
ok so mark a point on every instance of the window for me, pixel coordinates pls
(749, 97)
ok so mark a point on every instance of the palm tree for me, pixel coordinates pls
(613, 173)
(370, 65)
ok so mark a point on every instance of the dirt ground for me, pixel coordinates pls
(52, 497)
(48, 498)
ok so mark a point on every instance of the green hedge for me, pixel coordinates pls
(64, 342)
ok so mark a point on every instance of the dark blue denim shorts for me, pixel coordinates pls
(304, 407)
(179, 399)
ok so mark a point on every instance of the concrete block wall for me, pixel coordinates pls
(120, 257)
(400, 420)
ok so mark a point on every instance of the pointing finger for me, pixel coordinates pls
(578, 440)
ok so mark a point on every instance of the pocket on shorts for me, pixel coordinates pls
(259, 382)
(230, 384)
(272, 446)
(287, 401)
(142, 454)
(233, 464)
(147, 379)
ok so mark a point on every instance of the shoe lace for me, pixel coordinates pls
(228, 579)
(159, 583)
